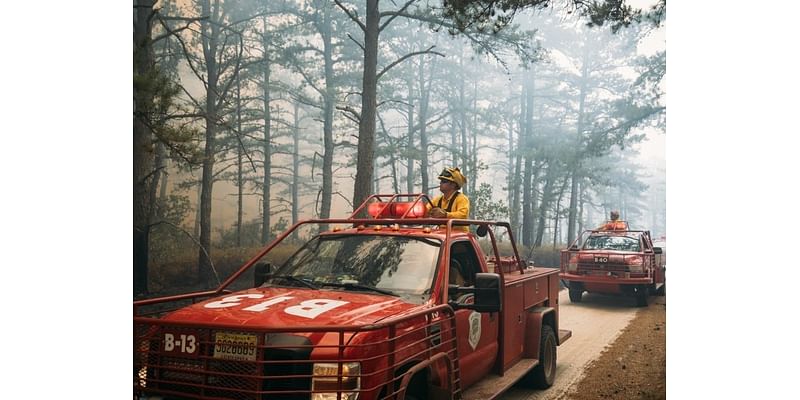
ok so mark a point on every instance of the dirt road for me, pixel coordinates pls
(595, 323)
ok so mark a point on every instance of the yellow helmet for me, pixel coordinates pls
(453, 175)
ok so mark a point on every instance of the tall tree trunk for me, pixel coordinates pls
(376, 181)
(518, 151)
(527, 204)
(462, 106)
(327, 118)
(578, 161)
(424, 102)
(558, 211)
(582, 195)
(366, 126)
(142, 143)
(473, 153)
(210, 34)
(454, 139)
(153, 212)
(295, 161)
(573, 205)
(393, 165)
(424, 163)
(161, 154)
(546, 199)
(239, 172)
(411, 150)
(198, 200)
(537, 167)
(267, 149)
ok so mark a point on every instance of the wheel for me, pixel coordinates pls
(543, 375)
(417, 388)
(575, 295)
(641, 297)
(662, 291)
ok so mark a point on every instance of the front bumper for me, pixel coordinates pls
(619, 278)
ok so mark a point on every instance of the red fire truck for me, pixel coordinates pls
(618, 261)
(389, 306)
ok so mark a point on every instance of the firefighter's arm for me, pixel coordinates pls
(437, 212)
(434, 212)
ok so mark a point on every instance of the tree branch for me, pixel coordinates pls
(349, 14)
(394, 15)
(401, 59)
(356, 42)
(356, 116)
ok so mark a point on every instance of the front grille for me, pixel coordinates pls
(592, 267)
(296, 348)
(182, 370)
(185, 361)
(200, 375)
(230, 379)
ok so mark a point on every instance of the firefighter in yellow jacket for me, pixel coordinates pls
(451, 203)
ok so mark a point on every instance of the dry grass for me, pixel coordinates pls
(635, 365)
(179, 273)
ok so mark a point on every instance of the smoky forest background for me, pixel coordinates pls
(250, 115)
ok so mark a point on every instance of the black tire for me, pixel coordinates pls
(417, 387)
(544, 375)
(641, 298)
(575, 295)
(662, 291)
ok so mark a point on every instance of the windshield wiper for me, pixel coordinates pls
(295, 279)
(357, 286)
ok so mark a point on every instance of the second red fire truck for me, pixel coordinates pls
(619, 261)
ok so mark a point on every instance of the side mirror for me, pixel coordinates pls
(262, 269)
(487, 293)
(658, 250)
(482, 230)
(574, 247)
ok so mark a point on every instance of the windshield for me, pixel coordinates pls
(623, 243)
(401, 265)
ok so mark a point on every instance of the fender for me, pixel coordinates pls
(423, 372)
(533, 328)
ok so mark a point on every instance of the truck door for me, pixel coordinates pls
(649, 257)
(477, 332)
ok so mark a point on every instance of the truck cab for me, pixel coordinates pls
(391, 306)
(620, 261)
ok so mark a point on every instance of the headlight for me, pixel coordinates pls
(572, 266)
(635, 263)
(326, 379)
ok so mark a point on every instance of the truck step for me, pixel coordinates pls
(563, 335)
(492, 386)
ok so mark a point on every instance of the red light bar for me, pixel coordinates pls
(396, 210)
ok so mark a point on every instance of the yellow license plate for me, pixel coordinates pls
(235, 346)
